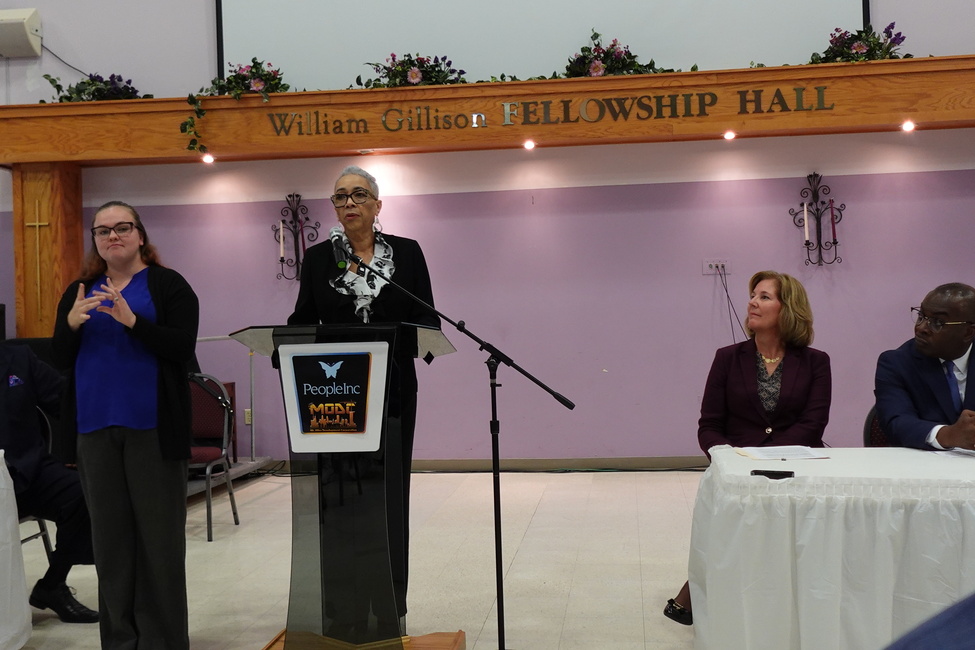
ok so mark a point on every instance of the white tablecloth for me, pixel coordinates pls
(15, 619)
(851, 553)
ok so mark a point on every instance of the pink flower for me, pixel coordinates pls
(859, 48)
(257, 85)
(414, 76)
(597, 69)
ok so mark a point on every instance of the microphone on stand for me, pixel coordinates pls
(338, 248)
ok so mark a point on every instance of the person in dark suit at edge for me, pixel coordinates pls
(952, 629)
(44, 486)
(772, 389)
(920, 387)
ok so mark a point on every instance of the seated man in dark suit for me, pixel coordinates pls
(44, 486)
(921, 387)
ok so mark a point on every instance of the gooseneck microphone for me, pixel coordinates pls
(338, 248)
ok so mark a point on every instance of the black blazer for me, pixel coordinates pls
(26, 383)
(318, 302)
(172, 338)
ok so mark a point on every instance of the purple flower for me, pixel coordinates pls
(597, 69)
(839, 37)
(888, 30)
(414, 76)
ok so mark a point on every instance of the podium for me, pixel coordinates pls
(348, 570)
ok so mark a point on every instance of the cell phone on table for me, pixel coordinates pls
(774, 474)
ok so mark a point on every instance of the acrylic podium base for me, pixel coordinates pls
(436, 641)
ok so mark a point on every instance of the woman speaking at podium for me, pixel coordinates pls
(334, 291)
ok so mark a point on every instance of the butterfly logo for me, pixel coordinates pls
(331, 369)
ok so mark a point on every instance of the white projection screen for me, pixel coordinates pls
(325, 45)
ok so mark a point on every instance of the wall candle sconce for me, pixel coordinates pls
(819, 249)
(296, 224)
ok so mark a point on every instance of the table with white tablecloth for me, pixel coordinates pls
(851, 553)
(15, 618)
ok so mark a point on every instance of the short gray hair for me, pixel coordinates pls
(353, 170)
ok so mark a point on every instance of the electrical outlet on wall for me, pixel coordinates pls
(713, 267)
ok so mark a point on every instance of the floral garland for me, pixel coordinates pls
(864, 45)
(257, 78)
(615, 59)
(413, 70)
(94, 88)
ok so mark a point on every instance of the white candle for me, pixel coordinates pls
(281, 241)
(805, 222)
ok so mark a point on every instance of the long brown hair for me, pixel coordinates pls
(94, 266)
(795, 318)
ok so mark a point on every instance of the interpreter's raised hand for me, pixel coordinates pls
(120, 308)
(961, 433)
(79, 310)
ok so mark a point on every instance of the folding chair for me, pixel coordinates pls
(213, 418)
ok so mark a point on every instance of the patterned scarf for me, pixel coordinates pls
(365, 287)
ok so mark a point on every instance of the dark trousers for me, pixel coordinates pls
(137, 502)
(55, 494)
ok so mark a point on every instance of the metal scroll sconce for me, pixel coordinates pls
(810, 217)
(295, 226)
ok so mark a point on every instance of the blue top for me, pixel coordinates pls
(119, 371)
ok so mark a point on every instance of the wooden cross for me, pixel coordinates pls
(37, 246)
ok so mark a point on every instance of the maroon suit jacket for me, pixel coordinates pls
(732, 414)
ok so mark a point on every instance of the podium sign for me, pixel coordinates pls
(348, 565)
(334, 395)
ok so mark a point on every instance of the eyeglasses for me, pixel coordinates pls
(121, 229)
(934, 323)
(358, 197)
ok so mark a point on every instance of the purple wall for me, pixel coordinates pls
(597, 292)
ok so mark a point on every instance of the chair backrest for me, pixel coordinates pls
(873, 435)
(47, 427)
(211, 410)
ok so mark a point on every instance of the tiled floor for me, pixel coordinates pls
(590, 559)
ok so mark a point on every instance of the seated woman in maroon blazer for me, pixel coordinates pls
(772, 389)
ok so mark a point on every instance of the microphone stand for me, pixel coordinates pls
(495, 358)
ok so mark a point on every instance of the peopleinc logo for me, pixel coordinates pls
(331, 369)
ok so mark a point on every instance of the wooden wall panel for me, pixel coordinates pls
(48, 243)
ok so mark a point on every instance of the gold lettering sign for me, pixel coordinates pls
(632, 109)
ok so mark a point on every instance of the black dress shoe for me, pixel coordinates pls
(60, 599)
(677, 612)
